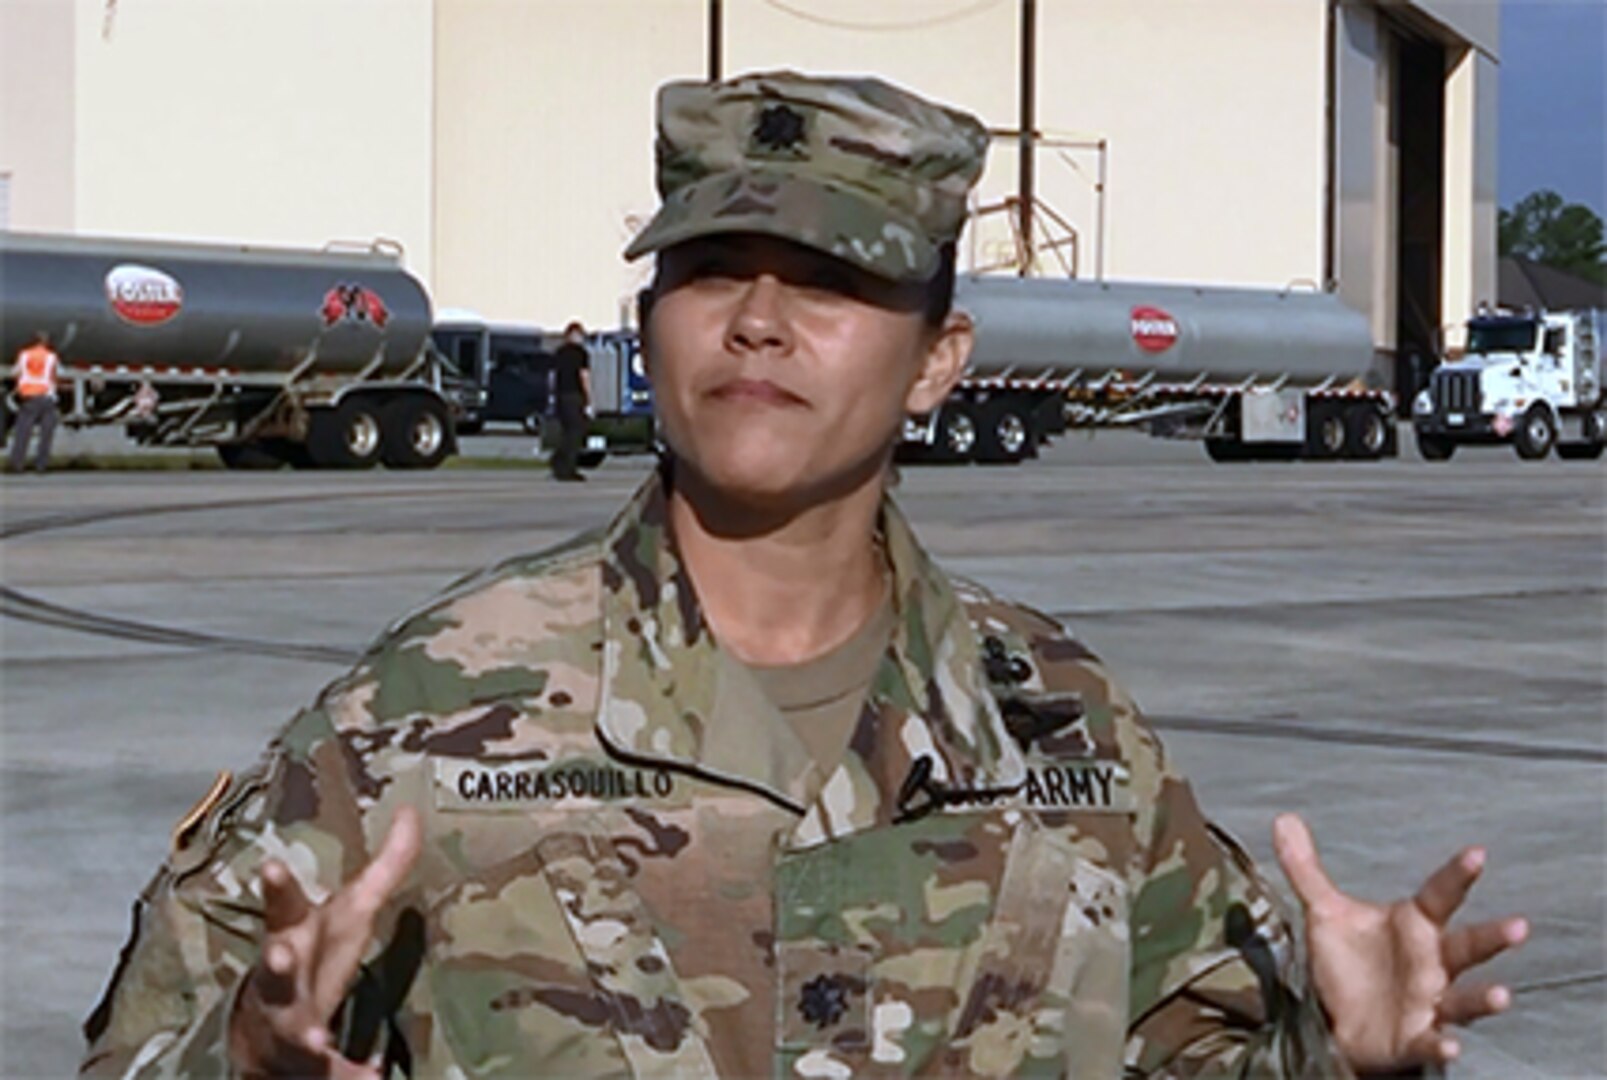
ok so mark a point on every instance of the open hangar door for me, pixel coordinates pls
(1386, 184)
(1417, 137)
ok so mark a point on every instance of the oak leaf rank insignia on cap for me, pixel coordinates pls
(855, 167)
(778, 129)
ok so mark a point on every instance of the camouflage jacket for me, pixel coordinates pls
(631, 866)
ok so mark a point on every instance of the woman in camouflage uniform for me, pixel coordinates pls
(745, 785)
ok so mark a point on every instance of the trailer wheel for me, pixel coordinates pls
(1227, 450)
(1327, 433)
(1367, 433)
(1595, 433)
(250, 456)
(1005, 437)
(417, 433)
(1536, 434)
(956, 433)
(348, 436)
(1435, 447)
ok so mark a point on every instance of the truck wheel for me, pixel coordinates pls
(1595, 434)
(1366, 433)
(1435, 447)
(1005, 437)
(1536, 434)
(249, 456)
(1327, 433)
(348, 436)
(417, 434)
(956, 434)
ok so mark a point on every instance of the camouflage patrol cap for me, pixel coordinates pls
(855, 167)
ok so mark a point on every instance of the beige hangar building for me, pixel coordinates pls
(506, 144)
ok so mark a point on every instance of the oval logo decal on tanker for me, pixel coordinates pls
(143, 296)
(1153, 329)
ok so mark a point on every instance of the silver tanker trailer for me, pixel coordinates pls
(1253, 373)
(315, 358)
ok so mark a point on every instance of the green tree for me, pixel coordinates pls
(1566, 236)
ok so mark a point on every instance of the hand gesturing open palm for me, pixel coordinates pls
(1387, 973)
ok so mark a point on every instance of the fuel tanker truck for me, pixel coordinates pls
(1252, 373)
(274, 356)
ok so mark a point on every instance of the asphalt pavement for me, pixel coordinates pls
(1413, 656)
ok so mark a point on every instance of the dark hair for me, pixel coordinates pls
(574, 327)
(939, 299)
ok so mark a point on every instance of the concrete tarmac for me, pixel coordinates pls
(1410, 655)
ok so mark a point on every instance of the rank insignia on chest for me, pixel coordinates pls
(825, 993)
(823, 1000)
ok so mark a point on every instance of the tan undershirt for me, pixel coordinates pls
(822, 698)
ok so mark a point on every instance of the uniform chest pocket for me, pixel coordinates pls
(551, 965)
(950, 945)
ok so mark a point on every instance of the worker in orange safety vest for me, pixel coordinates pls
(36, 378)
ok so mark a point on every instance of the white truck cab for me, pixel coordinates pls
(1532, 379)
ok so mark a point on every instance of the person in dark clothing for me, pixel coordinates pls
(572, 389)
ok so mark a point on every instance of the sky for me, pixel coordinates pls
(1553, 101)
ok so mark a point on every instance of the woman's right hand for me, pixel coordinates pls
(310, 955)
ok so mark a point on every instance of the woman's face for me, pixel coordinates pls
(782, 375)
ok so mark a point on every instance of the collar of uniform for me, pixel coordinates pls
(942, 667)
(667, 697)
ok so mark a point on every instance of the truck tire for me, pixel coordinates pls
(1435, 447)
(349, 436)
(1327, 432)
(1595, 435)
(1004, 436)
(1535, 435)
(417, 433)
(1366, 433)
(250, 456)
(956, 433)
(1224, 451)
